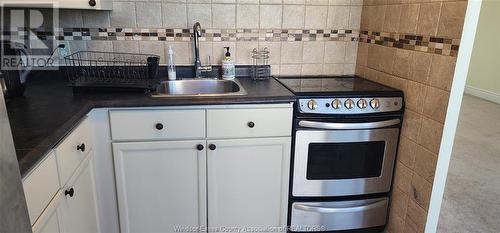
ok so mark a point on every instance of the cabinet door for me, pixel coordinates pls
(51, 226)
(85, 4)
(161, 185)
(248, 182)
(79, 209)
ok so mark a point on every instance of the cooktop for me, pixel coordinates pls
(342, 95)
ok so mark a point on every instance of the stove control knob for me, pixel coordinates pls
(312, 104)
(336, 104)
(375, 103)
(362, 103)
(349, 103)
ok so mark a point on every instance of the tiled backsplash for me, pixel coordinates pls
(309, 37)
(421, 65)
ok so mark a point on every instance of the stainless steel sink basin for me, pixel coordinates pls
(198, 87)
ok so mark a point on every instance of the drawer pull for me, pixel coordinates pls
(200, 147)
(69, 192)
(159, 126)
(251, 124)
(212, 147)
(81, 147)
(92, 3)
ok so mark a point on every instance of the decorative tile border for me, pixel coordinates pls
(428, 44)
(185, 34)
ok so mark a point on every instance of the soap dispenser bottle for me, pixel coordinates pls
(172, 75)
(228, 68)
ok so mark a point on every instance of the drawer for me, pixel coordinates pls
(339, 215)
(40, 186)
(73, 149)
(157, 124)
(245, 123)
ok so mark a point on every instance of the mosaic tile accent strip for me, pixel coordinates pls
(184, 34)
(428, 44)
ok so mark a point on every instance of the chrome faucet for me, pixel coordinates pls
(197, 63)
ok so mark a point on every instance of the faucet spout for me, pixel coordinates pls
(196, 40)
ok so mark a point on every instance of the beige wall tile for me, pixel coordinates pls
(153, 47)
(435, 104)
(174, 15)
(312, 69)
(407, 151)
(392, 18)
(442, 71)
(148, 14)
(349, 69)
(419, 66)
(339, 2)
(293, 16)
(399, 202)
(96, 19)
(70, 18)
(402, 178)
(333, 69)
(428, 18)
(452, 18)
(355, 17)
(338, 17)
(244, 52)
(274, 51)
(270, 16)
(290, 70)
(298, 2)
(182, 52)
(316, 17)
(362, 57)
(271, 1)
(414, 95)
(313, 52)
(351, 52)
(411, 125)
(410, 13)
(335, 51)
(421, 191)
(223, 16)
(401, 65)
(125, 46)
(376, 21)
(247, 16)
(206, 50)
(201, 13)
(291, 52)
(430, 134)
(415, 218)
(425, 163)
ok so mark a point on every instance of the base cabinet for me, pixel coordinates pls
(51, 225)
(248, 183)
(78, 206)
(160, 185)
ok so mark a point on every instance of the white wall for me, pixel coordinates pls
(483, 79)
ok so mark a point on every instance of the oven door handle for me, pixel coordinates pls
(349, 209)
(365, 125)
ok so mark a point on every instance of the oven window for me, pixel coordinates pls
(345, 160)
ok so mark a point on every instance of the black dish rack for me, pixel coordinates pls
(93, 69)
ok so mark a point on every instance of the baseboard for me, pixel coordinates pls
(483, 94)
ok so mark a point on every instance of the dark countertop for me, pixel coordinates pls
(49, 109)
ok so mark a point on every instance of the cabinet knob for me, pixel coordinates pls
(159, 126)
(212, 147)
(200, 147)
(81, 147)
(69, 192)
(92, 3)
(251, 124)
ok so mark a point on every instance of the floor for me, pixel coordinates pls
(472, 194)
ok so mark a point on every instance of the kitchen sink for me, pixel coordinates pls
(198, 87)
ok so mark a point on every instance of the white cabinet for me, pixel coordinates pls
(78, 206)
(160, 185)
(248, 182)
(63, 4)
(85, 4)
(52, 225)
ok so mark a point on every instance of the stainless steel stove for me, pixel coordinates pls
(346, 134)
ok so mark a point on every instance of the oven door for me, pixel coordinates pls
(344, 159)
